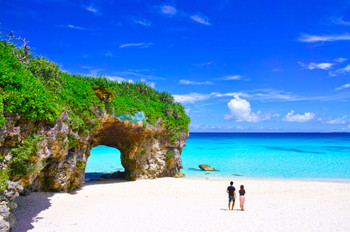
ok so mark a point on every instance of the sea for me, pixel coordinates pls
(308, 156)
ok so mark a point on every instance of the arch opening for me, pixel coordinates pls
(104, 162)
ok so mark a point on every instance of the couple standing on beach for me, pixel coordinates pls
(232, 196)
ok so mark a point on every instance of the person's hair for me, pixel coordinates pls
(231, 183)
(242, 187)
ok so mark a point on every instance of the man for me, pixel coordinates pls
(231, 195)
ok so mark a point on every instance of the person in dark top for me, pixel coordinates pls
(231, 195)
(242, 197)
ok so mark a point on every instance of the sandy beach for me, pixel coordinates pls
(169, 204)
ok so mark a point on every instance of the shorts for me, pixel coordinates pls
(231, 198)
(242, 199)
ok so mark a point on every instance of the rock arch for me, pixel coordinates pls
(146, 152)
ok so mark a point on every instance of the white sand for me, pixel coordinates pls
(170, 204)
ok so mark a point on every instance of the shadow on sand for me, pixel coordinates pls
(28, 209)
(30, 206)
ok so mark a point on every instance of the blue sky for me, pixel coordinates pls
(240, 66)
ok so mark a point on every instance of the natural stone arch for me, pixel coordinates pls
(146, 151)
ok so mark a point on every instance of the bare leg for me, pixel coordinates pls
(233, 204)
(229, 204)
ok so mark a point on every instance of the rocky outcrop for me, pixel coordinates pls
(206, 167)
(7, 205)
(59, 164)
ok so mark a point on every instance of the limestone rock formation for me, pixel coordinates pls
(206, 167)
(146, 152)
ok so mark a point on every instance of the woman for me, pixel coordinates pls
(242, 197)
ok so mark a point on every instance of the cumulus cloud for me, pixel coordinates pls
(200, 19)
(313, 65)
(168, 10)
(340, 71)
(343, 87)
(187, 82)
(240, 111)
(291, 117)
(139, 45)
(322, 38)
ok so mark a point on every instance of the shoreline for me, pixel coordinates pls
(328, 180)
(188, 204)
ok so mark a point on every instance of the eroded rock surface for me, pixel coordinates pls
(146, 152)
(206, 167)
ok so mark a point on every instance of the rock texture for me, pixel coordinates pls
(206, 167)
(146, 152)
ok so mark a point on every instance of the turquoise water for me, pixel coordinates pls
(255, 155)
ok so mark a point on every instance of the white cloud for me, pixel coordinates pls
(151, 84)
(241, 112)
(200, 19)
(74, 27)
(139, 45)
(343, 87)
(341, 120)
(234, 77)
(205, 63)
(340, 71)
(142, 22)
(92, 9)
(191, 98)
(269, 95)
(291, 117)
(313, 65)
(187, 82)
(340, 21)
(340, 59)
(119, 79)
(137, 74)
(95, 72)
(322, 38)
(168, 10)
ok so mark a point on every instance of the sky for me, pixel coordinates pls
(236, 66)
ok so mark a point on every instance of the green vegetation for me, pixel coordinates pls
(80, 164)
(36, 90)
(3, 178)
(170, 154)
(23, 157)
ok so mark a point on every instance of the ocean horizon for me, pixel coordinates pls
(314, 156)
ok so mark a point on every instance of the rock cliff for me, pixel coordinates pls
(146, 152)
